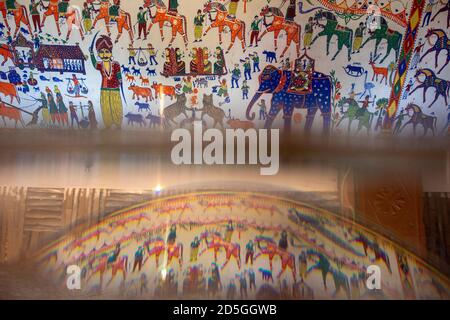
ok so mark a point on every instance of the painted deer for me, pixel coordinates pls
(378, 71)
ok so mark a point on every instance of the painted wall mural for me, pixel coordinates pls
(363, 66)
(236, 246)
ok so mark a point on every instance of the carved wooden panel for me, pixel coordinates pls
(392, 200)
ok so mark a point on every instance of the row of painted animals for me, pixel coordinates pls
(136, 72)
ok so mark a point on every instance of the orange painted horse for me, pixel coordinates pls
(109, 13)
(217, 243)
(218, 15)
(159, 15)
(271, 250)
(20, 15)
(72, 14)
(120, 264)
(158, 247)
(275, 22)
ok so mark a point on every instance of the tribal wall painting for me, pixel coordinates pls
(332, 67)
(236, 246)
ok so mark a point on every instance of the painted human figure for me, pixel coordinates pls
(245, 90)
(232, 8)
(359, 34)
(223, 88)
(399, 121)
(252, 279)
(428, 12)
(198, 26)
(235, 76)
(87, 18)
(194, 246)
(219, 65)
(73, 115)
(214, 282)
(249, 252)
(110, 100)
(35, 15)
(255, 31)
(172, 237)
(152, 55)
(173, 6)
(283, 243)
(229, 231)
(91, 116)
(53, 108)
(142, 23)
(309, 29)
(255, 59)
(138, 258)
(243, 285)
(247, 68)
(417, 53)
(291, 9)
(262, 109)
(62, 109)
(131, 54)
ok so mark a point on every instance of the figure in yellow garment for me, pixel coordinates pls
(110, 101)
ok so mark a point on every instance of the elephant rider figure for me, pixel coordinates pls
(283, 243)
(229, 231)
(365, 106)
(113, 257)
(303, 73)
(194, 249)
(171, 238)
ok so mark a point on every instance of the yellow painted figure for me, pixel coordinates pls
(110, 100)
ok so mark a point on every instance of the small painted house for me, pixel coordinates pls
(23, 51)
(60, 58)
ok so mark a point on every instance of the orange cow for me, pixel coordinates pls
(6, 53)
(10, 113)
(161, 90)
(141, 92)
(9, 90)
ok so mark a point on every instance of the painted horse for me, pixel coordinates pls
(216, 243)
(418, 117)
(158, 247)
(332, 28)
(20, 15)
(175, 251)
(432, 81)
(113, 13)
(383, 32)
(442, 43)
(160, 15)
(218, 15)
(373, 245)
(271, 249)
(276, 82)
(323, 264)
(354, 112)
(61, 9)
(275, 22)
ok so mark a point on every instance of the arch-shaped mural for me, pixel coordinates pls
(236, 245)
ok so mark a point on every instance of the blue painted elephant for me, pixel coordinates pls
(276, 82)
